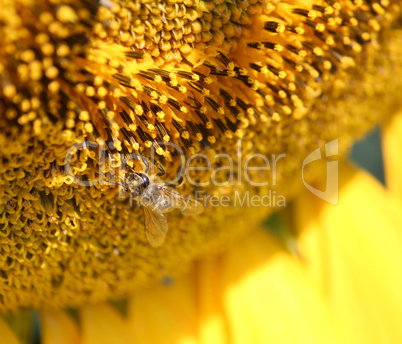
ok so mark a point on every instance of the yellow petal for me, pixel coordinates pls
(269, 299)
(353, 251)
(101, 324)
(58, 328)
(392, 148)
(165, 314)
(255, 292)
(211, 317)
(6, 335)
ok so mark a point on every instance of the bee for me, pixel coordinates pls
(157, 199)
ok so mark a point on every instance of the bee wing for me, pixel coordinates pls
(187, 205)
(191, 207)
(155, 227)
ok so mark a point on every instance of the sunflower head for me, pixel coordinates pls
(93, 91)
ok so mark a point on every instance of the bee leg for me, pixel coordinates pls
(162, 170)
(108, 181)
(176, 184)
(145, 162)
(155, 163)
(180, 181)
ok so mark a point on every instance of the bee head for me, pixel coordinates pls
(136, 183)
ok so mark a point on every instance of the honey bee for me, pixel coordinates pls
(157, 199)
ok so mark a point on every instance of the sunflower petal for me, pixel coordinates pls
(353, 251)
(211, 318)
(58, 328)
(269, 299)
(165, 314)
(256, 292)
(101, 324)
(392, 146)
(7, 336)
(189, 311)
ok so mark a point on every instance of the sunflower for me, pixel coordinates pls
(93, 93)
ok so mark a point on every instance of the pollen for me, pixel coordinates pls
(86, 86)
